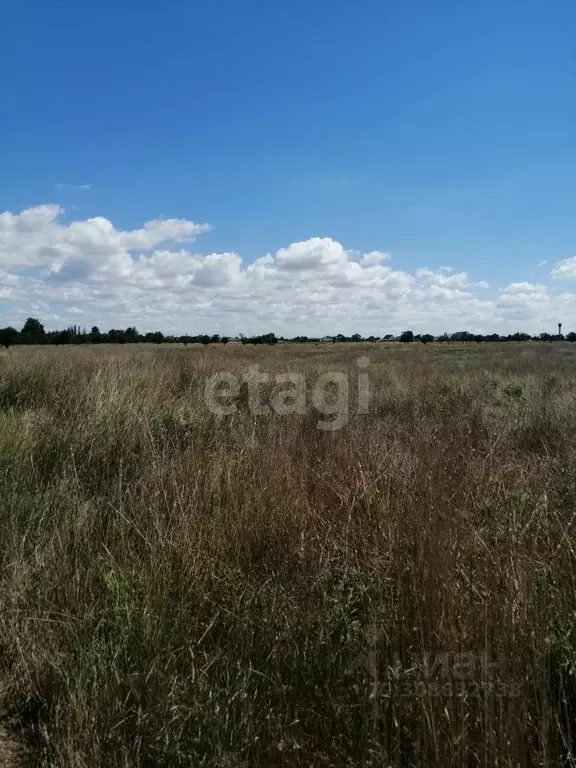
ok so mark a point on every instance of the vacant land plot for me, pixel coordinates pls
(186, 587)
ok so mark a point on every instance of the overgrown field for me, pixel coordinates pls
(179, 588)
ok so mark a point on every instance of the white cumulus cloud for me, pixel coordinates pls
(88, 271)
(565, 268)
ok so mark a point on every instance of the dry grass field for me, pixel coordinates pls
(179, 588)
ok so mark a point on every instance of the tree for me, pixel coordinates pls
(462, 336)
(95, 336)
(571, 336)
(155, 337)
(427, 337)
(8, 337)
(63, 337)
(131, 336)
(116, 336)
(33, 331)
(407, 337)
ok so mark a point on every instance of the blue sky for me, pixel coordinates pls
(442, 133)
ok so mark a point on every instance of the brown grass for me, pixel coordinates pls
(179, 589)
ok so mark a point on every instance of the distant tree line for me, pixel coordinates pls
(33, 332)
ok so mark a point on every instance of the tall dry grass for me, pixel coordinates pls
(179, 589)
